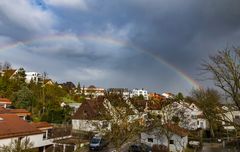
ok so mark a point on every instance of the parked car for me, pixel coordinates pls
(195, 144)
(139, 148)
(97, 143)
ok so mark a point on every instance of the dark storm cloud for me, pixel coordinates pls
(182, 32)
(176, 28)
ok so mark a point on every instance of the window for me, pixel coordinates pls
(194, 117)
(20, 138)
(50, 133)
(171, 141)
(237, 117)
(44, 136)
(104, 124)
(150, 140)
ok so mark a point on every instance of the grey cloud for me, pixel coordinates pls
(21, 19)
(182, 32)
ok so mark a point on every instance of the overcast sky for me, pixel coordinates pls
(117, 43)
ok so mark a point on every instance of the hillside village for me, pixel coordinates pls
(39, 114)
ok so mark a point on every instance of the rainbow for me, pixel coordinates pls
(108, 40)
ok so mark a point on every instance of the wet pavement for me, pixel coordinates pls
(216, 147)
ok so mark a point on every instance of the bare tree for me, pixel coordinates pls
(225, 70)
(171, 115)
(208, 102)
(125, 126)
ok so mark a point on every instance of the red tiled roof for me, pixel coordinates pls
(2, 109)
(5, 100)
(19, 111)
(13, 126)
(14, 111)
(92, 110)
(41, 125)
(176, 129)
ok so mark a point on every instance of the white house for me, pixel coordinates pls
(98, 114)
(93, 91)
(197, 119)
(15, 129)
(138, 92)
(168, 95)
(34, 76)
(230, 116)
(191, 117)
(92, 115)
(169, 135)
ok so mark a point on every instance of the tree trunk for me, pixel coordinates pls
(212, 132)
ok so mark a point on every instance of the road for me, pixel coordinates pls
(216, 147)
(207, 147)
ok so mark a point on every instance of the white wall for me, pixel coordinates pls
(179, 145)
(229, 117)
(138, 92)
(89, 125)
(36, 140)
(33, 76)
(191, 119)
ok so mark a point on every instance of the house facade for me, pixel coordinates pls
(15, 129)
(170, 135)
(91, 116)
(34, 77)
(139, 92)
(191, 117)
(93, 91)
(230, 117)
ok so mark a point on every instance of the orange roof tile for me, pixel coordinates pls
(19, 112)
(13, 126)
(41, 125)
(176, 129)
(5, 100)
